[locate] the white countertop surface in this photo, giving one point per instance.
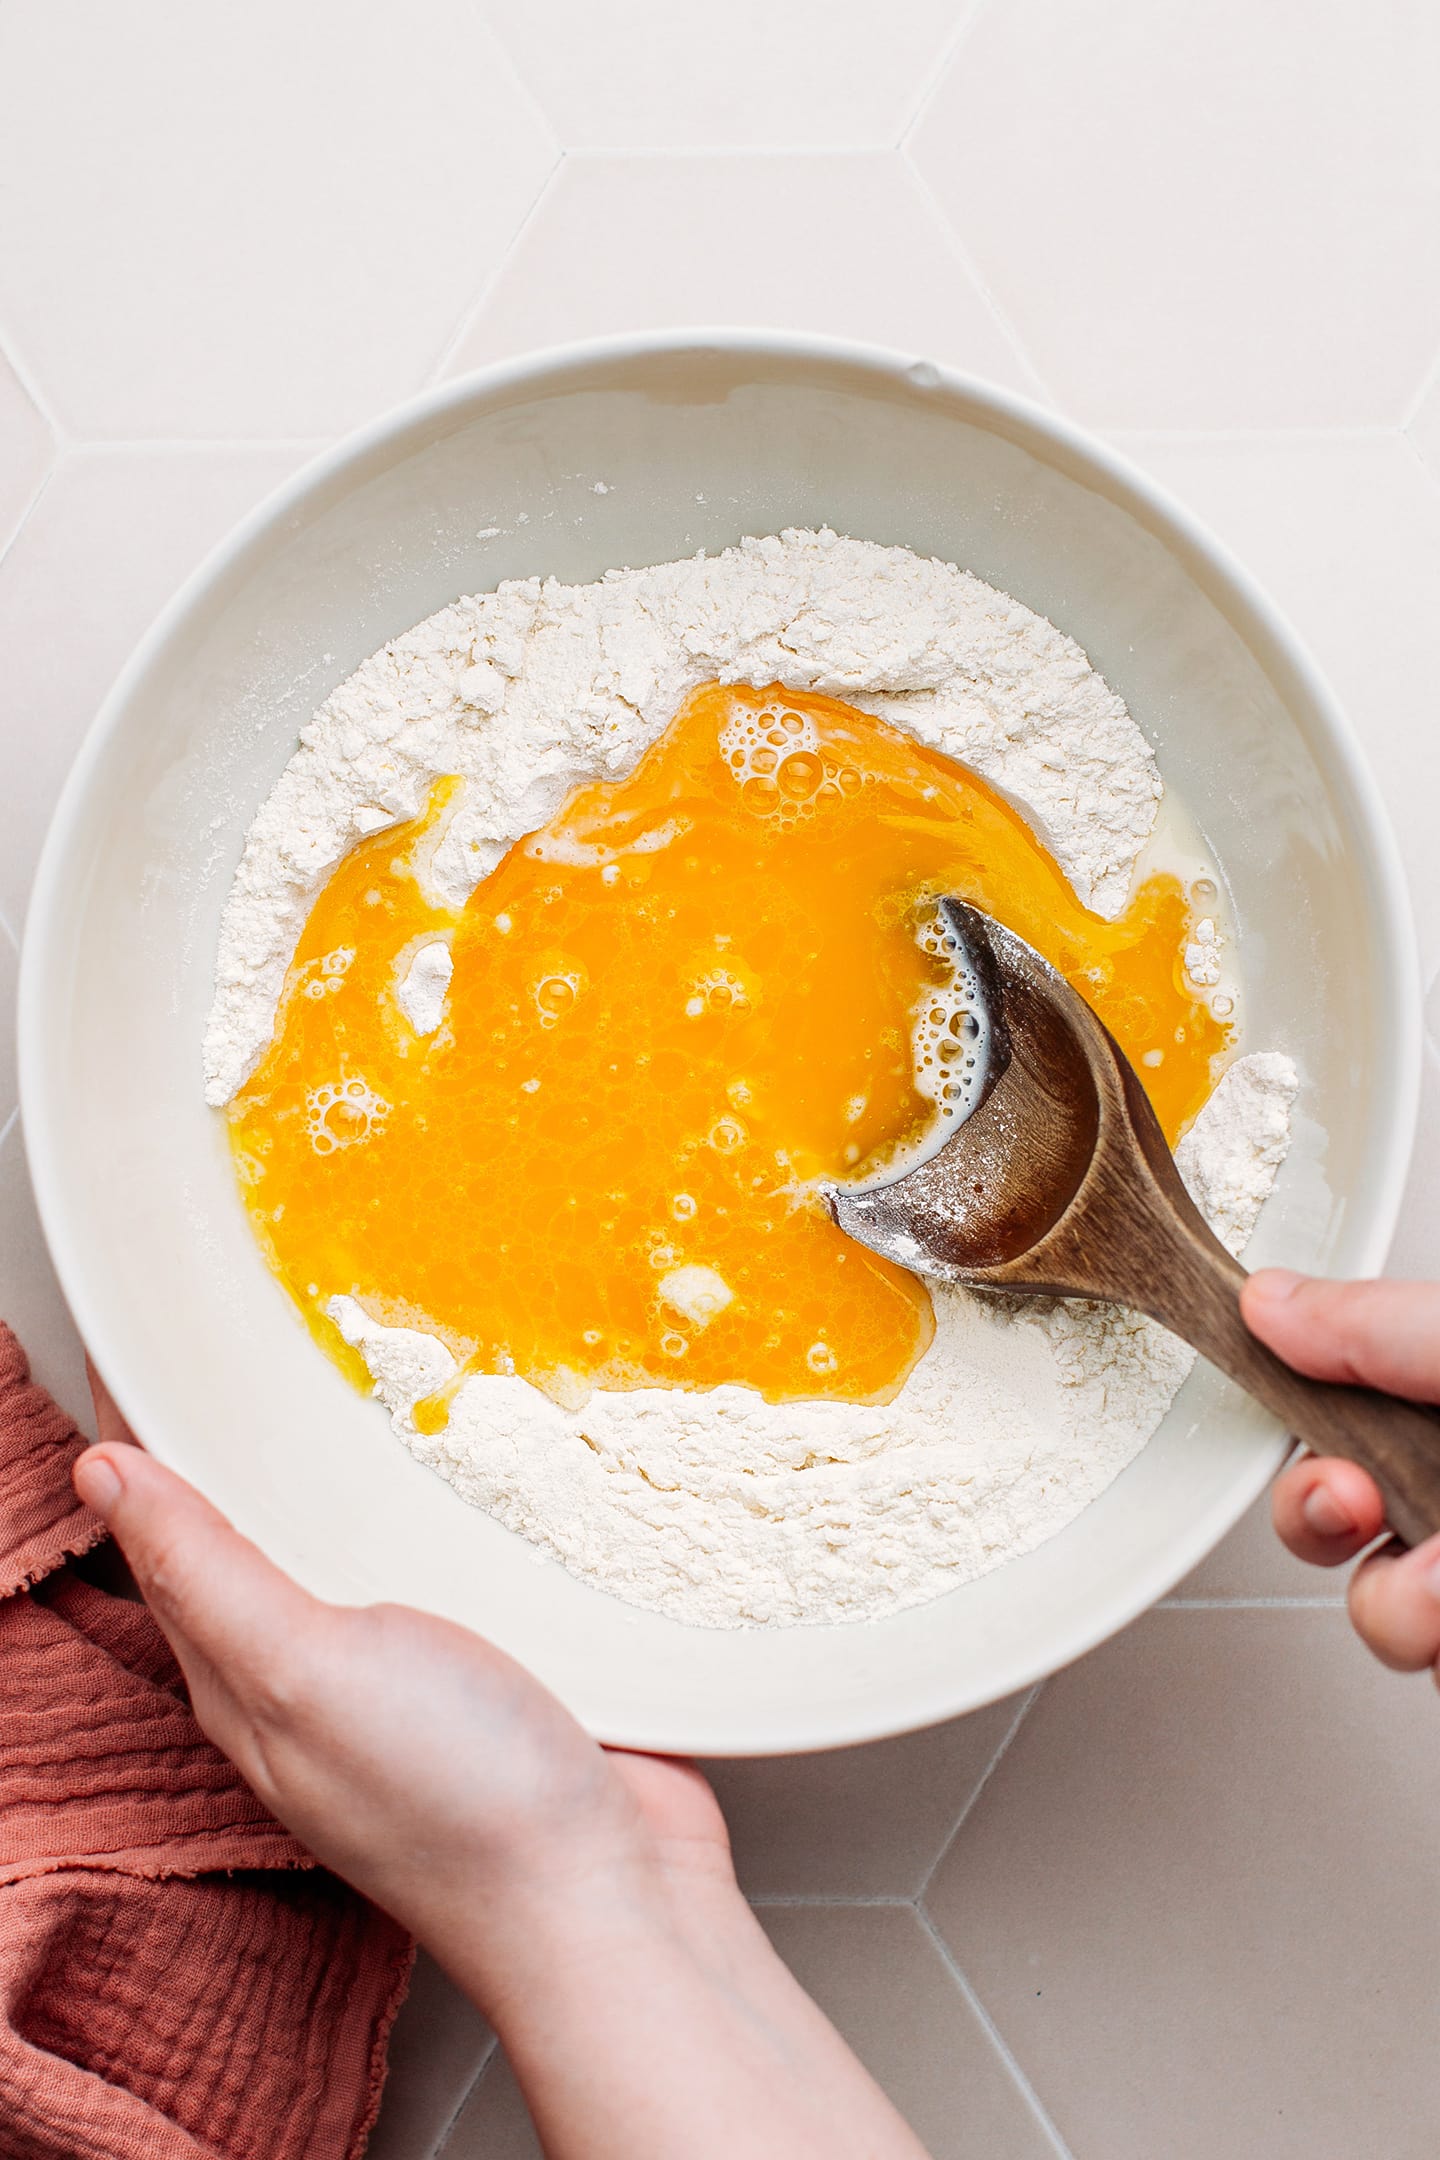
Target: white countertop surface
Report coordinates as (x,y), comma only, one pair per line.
(1184,1901)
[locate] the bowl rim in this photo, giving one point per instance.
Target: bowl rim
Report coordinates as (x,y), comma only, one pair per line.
(1257,618)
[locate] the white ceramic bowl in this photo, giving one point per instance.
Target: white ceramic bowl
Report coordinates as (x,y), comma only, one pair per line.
(698,439)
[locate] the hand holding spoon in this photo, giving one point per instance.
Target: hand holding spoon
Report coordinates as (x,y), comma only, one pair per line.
(1059,1182)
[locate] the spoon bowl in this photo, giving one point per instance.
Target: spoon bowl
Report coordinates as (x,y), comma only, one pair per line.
(1059,1182)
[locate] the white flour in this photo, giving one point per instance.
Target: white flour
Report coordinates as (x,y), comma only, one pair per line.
(719,1508)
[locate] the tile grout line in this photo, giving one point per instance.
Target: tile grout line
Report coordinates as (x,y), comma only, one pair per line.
(1426,472)
(1429,381)
(993,2034)
(29,511)
(1002,1748)
(20,369)
(438,2148)
(949,233)
(969,16)
(578,153)
(470,313)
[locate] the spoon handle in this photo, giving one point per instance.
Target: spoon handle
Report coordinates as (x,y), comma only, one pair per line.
(1398,1442)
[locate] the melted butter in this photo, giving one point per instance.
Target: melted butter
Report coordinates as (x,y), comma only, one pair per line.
(670,1012)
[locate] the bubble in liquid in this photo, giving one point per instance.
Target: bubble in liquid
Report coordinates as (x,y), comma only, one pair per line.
(554,996)
(342,1114)
(683,1207)
(315,989)
(821,1358)
(950,1033)
(753,743)
(727,1134)
(719,989)
(1204,889)
(800,775)
(590,1337)
(1222,1006)
(673,1345)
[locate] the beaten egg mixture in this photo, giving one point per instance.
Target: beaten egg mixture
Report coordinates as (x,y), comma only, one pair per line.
(612,1085)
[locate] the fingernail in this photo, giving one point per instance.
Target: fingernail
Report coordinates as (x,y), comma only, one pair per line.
(1323,1512)
(1275,1284)
(97,1483)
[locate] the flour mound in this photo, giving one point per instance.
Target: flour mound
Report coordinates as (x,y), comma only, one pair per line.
(529,690)
(726,1511)
(721,1509)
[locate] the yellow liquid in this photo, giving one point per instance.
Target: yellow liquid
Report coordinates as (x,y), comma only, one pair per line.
(674,1010)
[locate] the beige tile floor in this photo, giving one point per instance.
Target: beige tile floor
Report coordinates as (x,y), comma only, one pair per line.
(1184,1903)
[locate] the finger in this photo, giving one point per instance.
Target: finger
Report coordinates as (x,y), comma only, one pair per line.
(1395,1606)
(228,1612)
(1370,1334)
(1326,1510)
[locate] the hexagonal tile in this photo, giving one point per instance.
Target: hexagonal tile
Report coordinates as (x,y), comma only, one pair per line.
(269,218)
(876,1973)
(494,2123)
(1201,216)
(110,538)
(30,1297)
(859,1822)
(1423,427)
(644,74)
(1345,533)
(842,244)
(438,2046)
(880,1979)
(25,451)
(1201,1891)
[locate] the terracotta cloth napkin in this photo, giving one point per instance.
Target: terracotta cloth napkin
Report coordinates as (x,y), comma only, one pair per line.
(178,1979)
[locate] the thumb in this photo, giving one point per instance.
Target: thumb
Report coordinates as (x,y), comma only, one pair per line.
(227,1610)
(1369,1334)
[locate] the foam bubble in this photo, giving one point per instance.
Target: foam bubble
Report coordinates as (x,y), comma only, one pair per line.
(949,1033)
(774,754)
(342,1114)
(718,990)
(556,992)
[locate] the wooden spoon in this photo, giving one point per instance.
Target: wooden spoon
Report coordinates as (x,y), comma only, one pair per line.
(1059,1181)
